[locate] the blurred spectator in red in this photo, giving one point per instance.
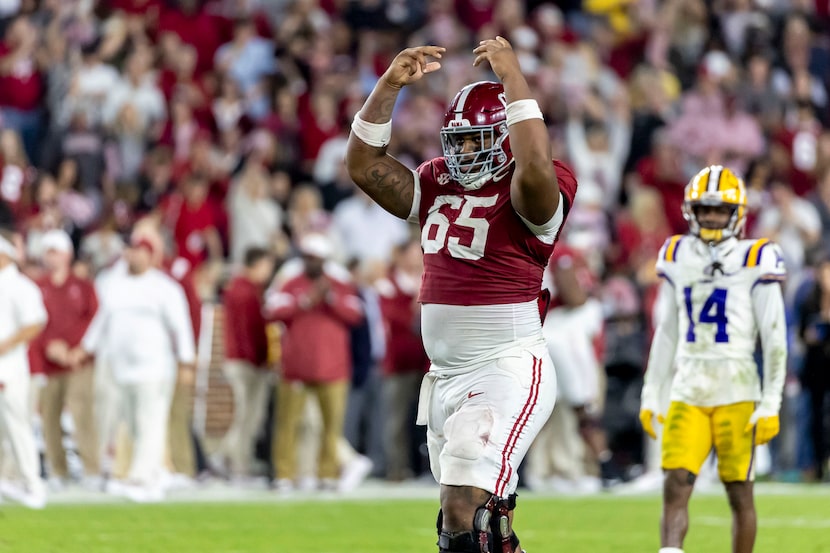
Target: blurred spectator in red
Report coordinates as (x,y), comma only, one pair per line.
(192,24)
(318,310)
(45,214)
(71,304)
(16,175)
(662,170)
(641,230)
(192,221)
(794,151)
(406,361)
(21,83)
(319,120)
(246,358)
(285,124)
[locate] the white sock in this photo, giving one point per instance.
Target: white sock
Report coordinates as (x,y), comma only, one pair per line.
(670,550)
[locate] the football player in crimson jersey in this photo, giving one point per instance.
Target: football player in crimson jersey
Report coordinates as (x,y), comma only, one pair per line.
(490,210)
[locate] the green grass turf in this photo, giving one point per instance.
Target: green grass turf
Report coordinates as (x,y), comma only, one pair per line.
(788,524)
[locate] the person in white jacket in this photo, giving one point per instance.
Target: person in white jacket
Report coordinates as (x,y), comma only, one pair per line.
(143,331)
(22,317)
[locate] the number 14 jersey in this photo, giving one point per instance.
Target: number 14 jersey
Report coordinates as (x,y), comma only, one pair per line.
(718,315)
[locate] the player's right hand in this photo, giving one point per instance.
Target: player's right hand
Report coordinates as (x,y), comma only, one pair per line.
(412,64)
(647,421)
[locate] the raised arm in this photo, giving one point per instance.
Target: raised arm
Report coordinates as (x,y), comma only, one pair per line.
(534,190)
(385,179)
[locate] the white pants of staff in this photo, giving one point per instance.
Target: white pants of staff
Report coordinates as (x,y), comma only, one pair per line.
(16,429)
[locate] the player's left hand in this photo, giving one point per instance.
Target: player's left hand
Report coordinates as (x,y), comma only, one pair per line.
(647,417)
(766,426)
(499,54)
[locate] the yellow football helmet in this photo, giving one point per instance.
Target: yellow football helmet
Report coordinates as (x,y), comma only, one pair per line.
(715,186)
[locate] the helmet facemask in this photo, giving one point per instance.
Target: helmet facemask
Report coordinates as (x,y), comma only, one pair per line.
(473,169)
(733,228)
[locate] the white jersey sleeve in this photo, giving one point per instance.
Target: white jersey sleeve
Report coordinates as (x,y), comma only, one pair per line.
(770,261)
(663,347)
(768,307)
(666,260)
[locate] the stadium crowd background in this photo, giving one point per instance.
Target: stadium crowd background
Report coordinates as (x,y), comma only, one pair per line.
(223,123)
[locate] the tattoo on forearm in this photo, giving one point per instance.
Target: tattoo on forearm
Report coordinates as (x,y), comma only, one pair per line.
(388,185)
(379,109)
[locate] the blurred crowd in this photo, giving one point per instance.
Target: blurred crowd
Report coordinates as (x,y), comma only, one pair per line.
(203,140)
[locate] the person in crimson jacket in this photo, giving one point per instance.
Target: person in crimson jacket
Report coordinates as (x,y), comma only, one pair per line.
(246,358)
(318,308)
(71,304)
(406,361)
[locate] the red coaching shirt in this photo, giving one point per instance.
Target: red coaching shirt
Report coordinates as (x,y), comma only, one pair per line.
(71,307)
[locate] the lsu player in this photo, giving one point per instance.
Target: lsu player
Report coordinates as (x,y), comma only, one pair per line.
(719,292)
(490,210)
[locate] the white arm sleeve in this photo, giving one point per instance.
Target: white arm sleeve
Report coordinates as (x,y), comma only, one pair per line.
(178,319)
(416,199)
(768,306)
(547,232)
(94,332)
(663,348)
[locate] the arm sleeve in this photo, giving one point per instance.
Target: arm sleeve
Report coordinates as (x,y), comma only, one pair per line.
(30,310)
(416,199)
(178,319)
(768,306)
(94,332)
(548,232)
(663,347)
(346,305)
(280,305)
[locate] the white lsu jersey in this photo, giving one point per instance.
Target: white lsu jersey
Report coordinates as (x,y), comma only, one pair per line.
(719,312)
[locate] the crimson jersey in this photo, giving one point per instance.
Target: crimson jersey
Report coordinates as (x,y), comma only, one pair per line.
(477,250)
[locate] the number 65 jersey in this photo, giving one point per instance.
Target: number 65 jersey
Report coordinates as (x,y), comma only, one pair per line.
(712,307)
(483,266)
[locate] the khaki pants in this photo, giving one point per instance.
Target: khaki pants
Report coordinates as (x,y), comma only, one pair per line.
(558,449)
(399,392)
(72,390)
(179,438)
(291,398)
(251,386)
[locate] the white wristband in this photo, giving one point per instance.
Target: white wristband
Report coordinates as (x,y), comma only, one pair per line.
(373,134)
(522,110)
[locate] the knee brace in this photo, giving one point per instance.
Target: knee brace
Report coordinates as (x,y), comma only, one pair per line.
(491,530)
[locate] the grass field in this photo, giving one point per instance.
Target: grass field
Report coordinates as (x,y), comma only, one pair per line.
(792,520)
